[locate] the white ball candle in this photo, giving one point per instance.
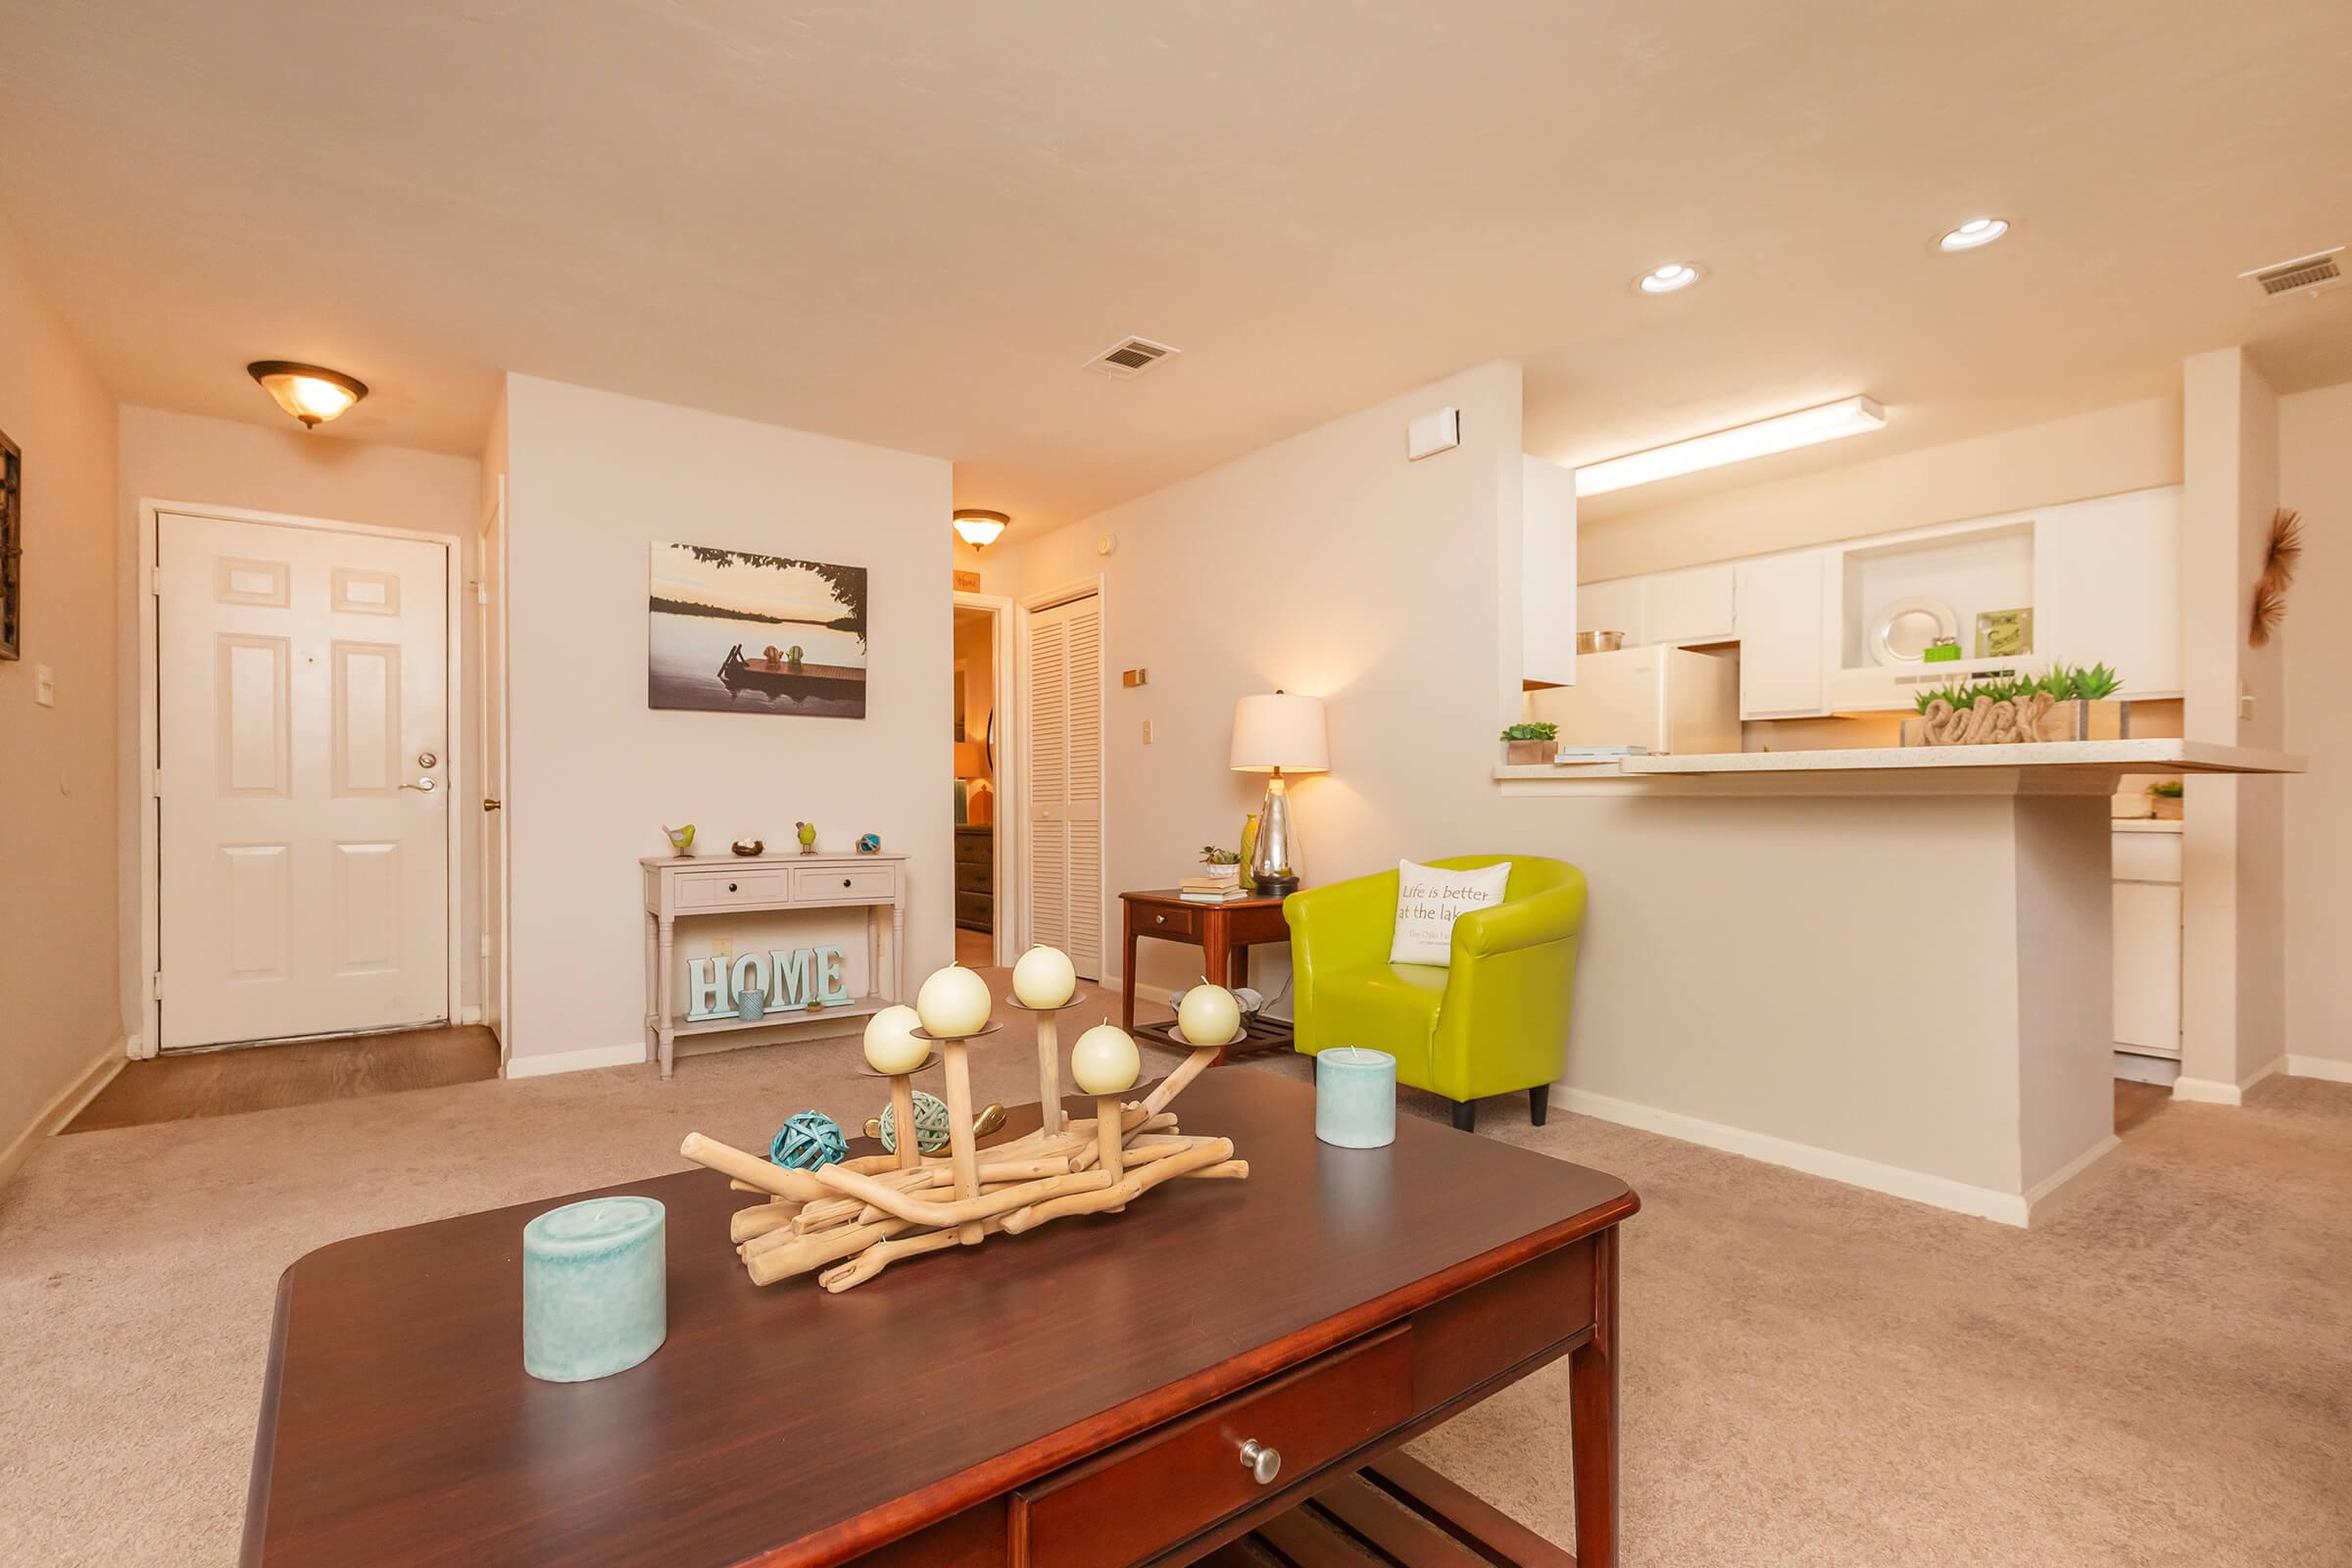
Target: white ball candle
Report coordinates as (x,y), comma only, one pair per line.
(1209,1015)
(1044,979)
(952,1004)
(890,1042)
(1104,1061)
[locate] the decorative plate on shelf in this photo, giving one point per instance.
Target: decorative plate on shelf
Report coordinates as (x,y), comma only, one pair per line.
(1902,631)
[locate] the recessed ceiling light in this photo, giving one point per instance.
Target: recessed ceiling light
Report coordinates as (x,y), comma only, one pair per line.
(1781,434)
(1973,233)
(1666,279)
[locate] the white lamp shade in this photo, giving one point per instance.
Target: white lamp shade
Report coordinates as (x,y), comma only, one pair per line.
(1279,730)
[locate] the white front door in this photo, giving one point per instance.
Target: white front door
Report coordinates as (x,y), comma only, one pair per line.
(303,813)
(1065,781)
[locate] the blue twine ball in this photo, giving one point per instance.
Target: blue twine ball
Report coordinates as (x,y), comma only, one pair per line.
(930,1124)
(870,843)
(807,1140)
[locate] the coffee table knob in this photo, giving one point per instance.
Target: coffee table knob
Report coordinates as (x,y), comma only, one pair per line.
(1262,1463)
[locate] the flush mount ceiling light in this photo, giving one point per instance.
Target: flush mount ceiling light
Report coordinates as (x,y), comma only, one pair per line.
(308,392)
(1668,278)
(1781,434)
(978,528)
(1973,235)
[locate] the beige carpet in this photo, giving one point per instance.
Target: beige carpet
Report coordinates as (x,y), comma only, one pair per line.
(2160,1374)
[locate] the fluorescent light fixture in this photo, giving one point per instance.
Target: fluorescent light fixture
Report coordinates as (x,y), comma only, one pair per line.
(1668,278)
(1975,232)
(1781,434)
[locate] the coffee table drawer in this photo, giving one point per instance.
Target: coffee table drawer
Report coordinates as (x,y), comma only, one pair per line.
(812,884)
(1132,1502)
(717,889)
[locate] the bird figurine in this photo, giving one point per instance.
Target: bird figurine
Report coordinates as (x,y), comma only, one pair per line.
(807,832)
(681,838)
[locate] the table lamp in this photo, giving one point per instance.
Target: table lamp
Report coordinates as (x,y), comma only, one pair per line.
(1271,734)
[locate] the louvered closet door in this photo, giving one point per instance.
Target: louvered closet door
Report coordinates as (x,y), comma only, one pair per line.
(1065,781)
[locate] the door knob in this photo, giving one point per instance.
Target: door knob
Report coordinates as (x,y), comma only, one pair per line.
(1262,1463)
(427,759)
(490,805)
(424,785)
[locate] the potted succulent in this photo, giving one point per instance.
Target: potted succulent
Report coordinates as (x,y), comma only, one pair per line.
(1221,865)
(1531,743)
(2164,799)
(2069,704)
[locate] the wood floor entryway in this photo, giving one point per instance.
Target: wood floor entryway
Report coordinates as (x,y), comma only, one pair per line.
(300,1072)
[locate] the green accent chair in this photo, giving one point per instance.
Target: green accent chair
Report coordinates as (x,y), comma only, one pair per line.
(1493,1023)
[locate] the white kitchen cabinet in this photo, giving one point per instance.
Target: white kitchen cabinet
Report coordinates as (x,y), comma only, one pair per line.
(1783,609)
(1697,605)
(2147,941)
(1612,607)
(2107,588)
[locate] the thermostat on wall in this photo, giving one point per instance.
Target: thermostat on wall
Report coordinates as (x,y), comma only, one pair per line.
(1433,433)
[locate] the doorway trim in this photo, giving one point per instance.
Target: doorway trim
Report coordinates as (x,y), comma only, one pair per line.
(1031,604)
(1011,773)
(138,788)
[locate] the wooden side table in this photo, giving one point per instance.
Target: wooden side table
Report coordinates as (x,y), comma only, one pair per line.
(1223,932)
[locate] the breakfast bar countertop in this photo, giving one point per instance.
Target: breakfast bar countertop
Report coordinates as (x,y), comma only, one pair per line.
(2044,767)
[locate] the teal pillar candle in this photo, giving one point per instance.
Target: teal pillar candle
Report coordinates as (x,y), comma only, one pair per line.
(1355,1098)
(595,1290)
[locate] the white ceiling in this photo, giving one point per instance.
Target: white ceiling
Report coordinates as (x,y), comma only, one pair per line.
(910,223)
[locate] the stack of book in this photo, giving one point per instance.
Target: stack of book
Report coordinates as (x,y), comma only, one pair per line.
(1211,889)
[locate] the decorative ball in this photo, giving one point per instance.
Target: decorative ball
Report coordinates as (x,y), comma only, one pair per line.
(954,1003)
(869,844)
(1208,1015)
(890,1042)
(930,1124)
(807,1140)
(1104,1061)
(1044,979)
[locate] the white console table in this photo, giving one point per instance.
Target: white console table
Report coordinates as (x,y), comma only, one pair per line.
(685,886)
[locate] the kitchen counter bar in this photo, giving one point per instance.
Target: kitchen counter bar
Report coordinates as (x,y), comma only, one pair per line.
(2051,768)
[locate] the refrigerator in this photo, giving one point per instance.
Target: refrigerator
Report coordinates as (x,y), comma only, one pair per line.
(1665,701)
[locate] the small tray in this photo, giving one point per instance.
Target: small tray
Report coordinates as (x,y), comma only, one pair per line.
(927,1063)
(1018,1005)
(985,1030)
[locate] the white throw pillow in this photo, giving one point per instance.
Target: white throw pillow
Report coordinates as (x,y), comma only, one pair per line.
(1430,899)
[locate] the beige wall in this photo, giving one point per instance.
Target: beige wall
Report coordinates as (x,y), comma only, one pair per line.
(2233,882)
(593,481)
(2314,476)
(2136,446)
(195,461)
(59,1016)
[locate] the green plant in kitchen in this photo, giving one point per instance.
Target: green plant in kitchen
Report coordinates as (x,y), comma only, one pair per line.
(2074,684)
(1531,732)
(2164,789)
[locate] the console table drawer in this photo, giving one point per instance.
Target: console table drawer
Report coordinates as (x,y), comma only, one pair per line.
(812,884)
(1125,1504)
(716,890)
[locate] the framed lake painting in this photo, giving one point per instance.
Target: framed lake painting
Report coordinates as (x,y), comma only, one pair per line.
(735,631)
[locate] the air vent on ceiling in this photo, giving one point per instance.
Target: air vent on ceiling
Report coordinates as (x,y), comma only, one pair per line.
(2304,276)
(1130,358)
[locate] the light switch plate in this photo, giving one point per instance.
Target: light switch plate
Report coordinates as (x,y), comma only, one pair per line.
(1146,732)
(44,685)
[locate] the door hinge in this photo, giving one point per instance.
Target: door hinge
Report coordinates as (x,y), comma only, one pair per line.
(485,944)
(155,987)
(481,592)
(155,582)
(155,783)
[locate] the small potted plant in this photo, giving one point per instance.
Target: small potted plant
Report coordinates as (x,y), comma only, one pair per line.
(1221,865)
(1531,743)
(2164,799)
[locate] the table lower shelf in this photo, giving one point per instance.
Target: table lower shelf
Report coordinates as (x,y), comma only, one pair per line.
(1395,1512)
(1263,1034)
(854,1007)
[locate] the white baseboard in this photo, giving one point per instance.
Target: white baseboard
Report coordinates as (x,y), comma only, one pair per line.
(1941,1192)
(2327,1067)
(2070,1170)
(2276,1063)
(65,1106)
(630,1054)
(2206,1091)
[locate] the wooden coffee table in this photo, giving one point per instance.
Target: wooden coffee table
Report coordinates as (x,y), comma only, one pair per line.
(1071,1398)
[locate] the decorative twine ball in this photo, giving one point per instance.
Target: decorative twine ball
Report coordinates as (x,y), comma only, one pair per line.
(869,844)
(808,1138)
(930,1124)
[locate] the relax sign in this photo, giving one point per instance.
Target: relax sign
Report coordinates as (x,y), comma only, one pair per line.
(792,981)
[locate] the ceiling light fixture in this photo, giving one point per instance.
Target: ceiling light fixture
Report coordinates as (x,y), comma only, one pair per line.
(1781,433)
(1668,278)
(1973,235)
(308,392)
(978,528)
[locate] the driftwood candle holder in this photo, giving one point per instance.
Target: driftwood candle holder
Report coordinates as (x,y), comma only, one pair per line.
(847,1221)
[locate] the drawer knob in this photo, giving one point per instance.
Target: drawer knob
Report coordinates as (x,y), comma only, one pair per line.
(731,887)
(845,881)
(1262,1463)
(1160,919)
